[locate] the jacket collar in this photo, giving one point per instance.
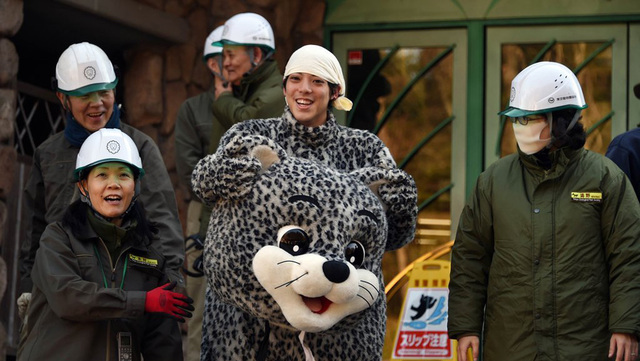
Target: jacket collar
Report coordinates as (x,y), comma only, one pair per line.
(257,76)
(560,160)
(108,231)
(77,219)
(312,136)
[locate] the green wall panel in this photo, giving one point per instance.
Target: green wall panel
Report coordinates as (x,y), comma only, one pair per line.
(386,11)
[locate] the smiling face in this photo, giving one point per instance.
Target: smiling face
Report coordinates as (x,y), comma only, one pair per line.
(237,61)
(110,187)
(93,110)
(308,98)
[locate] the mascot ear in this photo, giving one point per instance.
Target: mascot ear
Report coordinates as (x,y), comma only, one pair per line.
(383,181)
(266,155)
(398,194)
(242,160)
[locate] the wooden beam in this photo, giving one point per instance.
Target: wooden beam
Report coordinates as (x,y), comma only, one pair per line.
(137,16)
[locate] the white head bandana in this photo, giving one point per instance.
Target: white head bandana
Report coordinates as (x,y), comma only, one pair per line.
(318,61)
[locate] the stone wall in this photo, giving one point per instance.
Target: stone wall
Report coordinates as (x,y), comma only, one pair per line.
(156,80)
(10,22)
(159,79)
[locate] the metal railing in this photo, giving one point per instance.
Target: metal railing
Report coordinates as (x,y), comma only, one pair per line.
(403,276)
(38,115)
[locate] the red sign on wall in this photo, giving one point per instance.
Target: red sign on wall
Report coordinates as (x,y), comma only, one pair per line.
(355,57)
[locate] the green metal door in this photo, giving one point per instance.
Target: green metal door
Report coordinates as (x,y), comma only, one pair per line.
(410,88)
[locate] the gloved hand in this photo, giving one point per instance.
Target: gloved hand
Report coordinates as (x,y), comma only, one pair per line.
(400,197)
(172,304)
(398,193)
(23,305)
(230,173)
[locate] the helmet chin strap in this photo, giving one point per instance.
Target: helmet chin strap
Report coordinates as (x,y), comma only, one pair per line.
(255,65)
(219,73)
(572,123)
(218,59)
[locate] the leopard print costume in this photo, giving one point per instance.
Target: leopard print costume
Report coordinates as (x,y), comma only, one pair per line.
(238,332)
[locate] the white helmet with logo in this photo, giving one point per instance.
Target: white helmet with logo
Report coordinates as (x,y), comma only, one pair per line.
(210,49)
(84,68)
(108,145)
(544,87)
(248,29)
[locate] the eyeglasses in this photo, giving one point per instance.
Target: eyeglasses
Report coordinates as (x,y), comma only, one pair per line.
(526,119)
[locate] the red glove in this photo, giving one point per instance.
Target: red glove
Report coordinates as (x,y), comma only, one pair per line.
(173,304)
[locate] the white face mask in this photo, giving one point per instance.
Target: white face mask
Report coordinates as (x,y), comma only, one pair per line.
(528,136)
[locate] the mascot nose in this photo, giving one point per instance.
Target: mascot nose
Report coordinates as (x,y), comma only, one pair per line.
(335,271)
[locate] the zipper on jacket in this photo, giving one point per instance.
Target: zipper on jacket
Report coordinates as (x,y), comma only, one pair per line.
(113,266)
(554,260)
(113,279)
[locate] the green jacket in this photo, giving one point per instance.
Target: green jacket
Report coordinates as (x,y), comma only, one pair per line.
(196,128)
(82,298)
(556,268)
(51,188)
(258,96)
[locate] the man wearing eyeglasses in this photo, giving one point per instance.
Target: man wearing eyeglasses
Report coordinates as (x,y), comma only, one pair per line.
(546,256)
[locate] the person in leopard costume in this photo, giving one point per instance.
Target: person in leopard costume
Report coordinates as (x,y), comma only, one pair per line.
(313,82)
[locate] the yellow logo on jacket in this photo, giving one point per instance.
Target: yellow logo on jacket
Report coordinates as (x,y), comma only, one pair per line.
(142,260)
(586,196)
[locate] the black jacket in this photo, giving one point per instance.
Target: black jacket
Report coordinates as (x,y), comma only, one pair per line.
(81,299)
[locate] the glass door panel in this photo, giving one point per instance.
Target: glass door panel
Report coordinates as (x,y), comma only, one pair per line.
(415,102)
(597,54)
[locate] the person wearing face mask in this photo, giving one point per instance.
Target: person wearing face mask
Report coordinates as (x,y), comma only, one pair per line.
(546,256)
(313,85)
(85,85)
(100,287)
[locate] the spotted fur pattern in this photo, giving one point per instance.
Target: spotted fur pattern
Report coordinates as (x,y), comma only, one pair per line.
(237,308)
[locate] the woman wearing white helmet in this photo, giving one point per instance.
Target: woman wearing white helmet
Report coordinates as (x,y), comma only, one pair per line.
(313,85)
(86,82)
(100,286)
(546,256)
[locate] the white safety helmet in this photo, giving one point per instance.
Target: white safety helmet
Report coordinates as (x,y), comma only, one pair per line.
(84,68)
(108,145)
(544,87)
(210,49)
(248,29)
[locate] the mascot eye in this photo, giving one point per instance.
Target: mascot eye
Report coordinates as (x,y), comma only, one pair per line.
(354,253)
(293,240)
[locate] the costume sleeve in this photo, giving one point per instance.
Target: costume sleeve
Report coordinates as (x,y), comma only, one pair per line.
(401,198)
(265,103)
(188,148)
(226,161)
(619,219)
(470,262)
(56,273)
(33,214)
(159,201)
